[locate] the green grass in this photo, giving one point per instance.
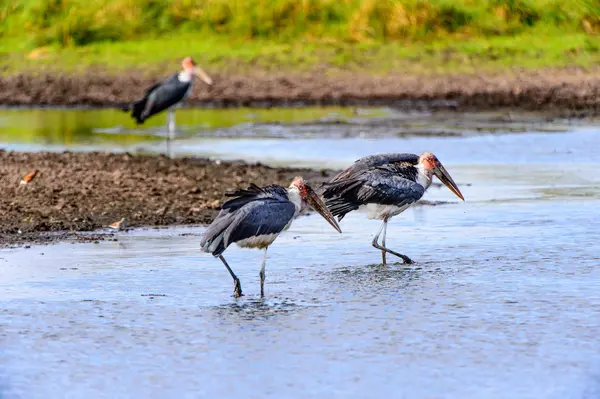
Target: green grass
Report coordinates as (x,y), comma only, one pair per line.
(406,36)
(529,51)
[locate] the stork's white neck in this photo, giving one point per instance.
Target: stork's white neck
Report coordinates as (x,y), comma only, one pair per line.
(294,197)
(185,76)
(424,176)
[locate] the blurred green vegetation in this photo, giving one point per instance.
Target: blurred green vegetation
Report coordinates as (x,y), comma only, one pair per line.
(81,22)
(301,33)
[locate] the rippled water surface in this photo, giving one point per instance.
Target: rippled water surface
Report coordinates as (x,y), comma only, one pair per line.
(502,303)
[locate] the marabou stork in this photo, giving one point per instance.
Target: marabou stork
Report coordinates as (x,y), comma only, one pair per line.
(167,94)
(254,217)
(385,185)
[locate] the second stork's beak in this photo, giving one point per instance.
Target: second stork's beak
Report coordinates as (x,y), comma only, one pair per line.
(202,75)
(315,202)
(445,178)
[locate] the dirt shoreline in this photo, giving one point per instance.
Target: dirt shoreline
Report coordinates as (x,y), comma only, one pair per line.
(75,196)
(568,91)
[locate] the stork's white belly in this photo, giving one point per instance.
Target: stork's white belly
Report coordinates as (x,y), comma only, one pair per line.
(261,241)
(381,212)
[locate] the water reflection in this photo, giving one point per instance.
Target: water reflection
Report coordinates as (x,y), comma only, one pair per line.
(110,126)
(102,127)
(50,126)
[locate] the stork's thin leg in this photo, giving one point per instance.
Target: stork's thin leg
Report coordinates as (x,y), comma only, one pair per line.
(383,242)
(262,274)
(237,286)
(376,238)
(383,249)
(170,130)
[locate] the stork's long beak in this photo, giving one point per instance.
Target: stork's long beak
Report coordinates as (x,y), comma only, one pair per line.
(202,75)
(445,178)
(315,202)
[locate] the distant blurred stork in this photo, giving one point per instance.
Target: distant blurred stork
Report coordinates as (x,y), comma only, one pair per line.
(385,186)
(254,217)
(168,94)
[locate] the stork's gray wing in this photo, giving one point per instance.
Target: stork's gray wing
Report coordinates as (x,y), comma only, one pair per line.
(164,96)
(253,192)
(260,217)
(257,217)
(380,185)
(150,89)
(154,99)
(252,211)
(372,161)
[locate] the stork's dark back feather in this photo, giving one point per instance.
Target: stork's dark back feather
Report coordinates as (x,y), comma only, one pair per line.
(339,206)
(159,97)
(388,179)
(242,196)
(137,109)
(251,212)
(375,160)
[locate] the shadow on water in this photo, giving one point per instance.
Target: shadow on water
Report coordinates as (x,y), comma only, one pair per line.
(376,278)
(333,285)
(249,309)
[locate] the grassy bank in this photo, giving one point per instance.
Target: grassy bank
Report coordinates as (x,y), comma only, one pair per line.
(416,36)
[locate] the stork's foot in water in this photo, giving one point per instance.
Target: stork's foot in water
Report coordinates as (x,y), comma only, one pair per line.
(383,248)
(237,288)
(406,259)
(262,283)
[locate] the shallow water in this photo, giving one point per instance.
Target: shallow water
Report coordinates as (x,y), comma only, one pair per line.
(110,129)
(503,301)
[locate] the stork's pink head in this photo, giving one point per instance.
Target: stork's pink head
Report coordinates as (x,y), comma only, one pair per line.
(310,198)
(189,65)
(433,166)
(429,161)
(301,185)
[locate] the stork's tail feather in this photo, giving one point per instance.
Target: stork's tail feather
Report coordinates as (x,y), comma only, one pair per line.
(340,207)
(215,250)
(339,188)
(213,240)
(213,245)
(136,109)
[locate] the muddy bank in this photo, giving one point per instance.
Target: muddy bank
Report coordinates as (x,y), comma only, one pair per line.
(83,192)
(570,91)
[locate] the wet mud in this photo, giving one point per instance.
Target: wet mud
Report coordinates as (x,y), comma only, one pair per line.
(77,193)
(569,92)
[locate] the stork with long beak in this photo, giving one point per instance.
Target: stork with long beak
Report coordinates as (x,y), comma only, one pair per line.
(254,217)
(385,185)
(168,94)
